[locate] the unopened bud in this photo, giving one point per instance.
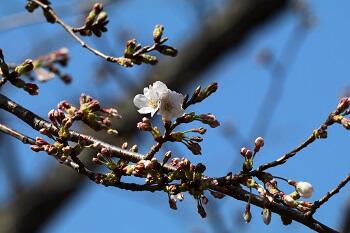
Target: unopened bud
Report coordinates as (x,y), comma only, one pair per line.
(172,203)
(125,145)
(167,156)
(158,33)
(25,67)
(167,50)
(266,214)
(201,210)
(243,151)
(134,148)
(259,142)
(247,216)
(344,103)
(211,89)
(149,59)
(101,17)
(345,122)
(194,147)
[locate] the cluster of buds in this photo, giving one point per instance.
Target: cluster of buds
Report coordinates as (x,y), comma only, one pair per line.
(192,143)
(199,95)
(136,54)
(291,200)
(249,154)
(104,157)
(132,47)
(95,22)
(146,125)
(13,75)
(57,149)
(208,119)
(45,69)
(91,113)
(150,169)
(186,170)
(159,42)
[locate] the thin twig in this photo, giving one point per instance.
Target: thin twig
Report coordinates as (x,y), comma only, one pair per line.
(325,198)
(318,133)
(70,31)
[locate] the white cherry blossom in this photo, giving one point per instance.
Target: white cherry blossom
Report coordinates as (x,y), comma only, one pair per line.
(157,97)
(171,105)
(149,102)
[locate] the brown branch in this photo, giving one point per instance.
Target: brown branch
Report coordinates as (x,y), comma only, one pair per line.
(81,169)
(325,198)
(236,192)
(240,194)
(321,132)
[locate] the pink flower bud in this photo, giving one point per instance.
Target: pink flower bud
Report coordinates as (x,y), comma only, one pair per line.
(259,142)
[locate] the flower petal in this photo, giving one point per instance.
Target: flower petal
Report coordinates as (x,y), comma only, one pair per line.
(140,101)
(160,87)
(146,110)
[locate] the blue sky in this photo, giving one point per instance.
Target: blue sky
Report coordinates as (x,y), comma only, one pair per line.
(315,81)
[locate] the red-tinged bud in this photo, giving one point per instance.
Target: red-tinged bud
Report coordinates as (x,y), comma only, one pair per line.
(345,122)
(196,139)
(36,148)
(45,131)
(209,119)
(31,88)
(51,115)
(40,141)
(211,89)
(194,147)
(63,105)
(243,151)
(187,118)
(172,204)
(144,126)
(266,215)
(201,210)
(200,130)
(249,154)
(259,142)
(247,214)
(344,103)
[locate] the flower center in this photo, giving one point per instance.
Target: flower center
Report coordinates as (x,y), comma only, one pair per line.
(153,103)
